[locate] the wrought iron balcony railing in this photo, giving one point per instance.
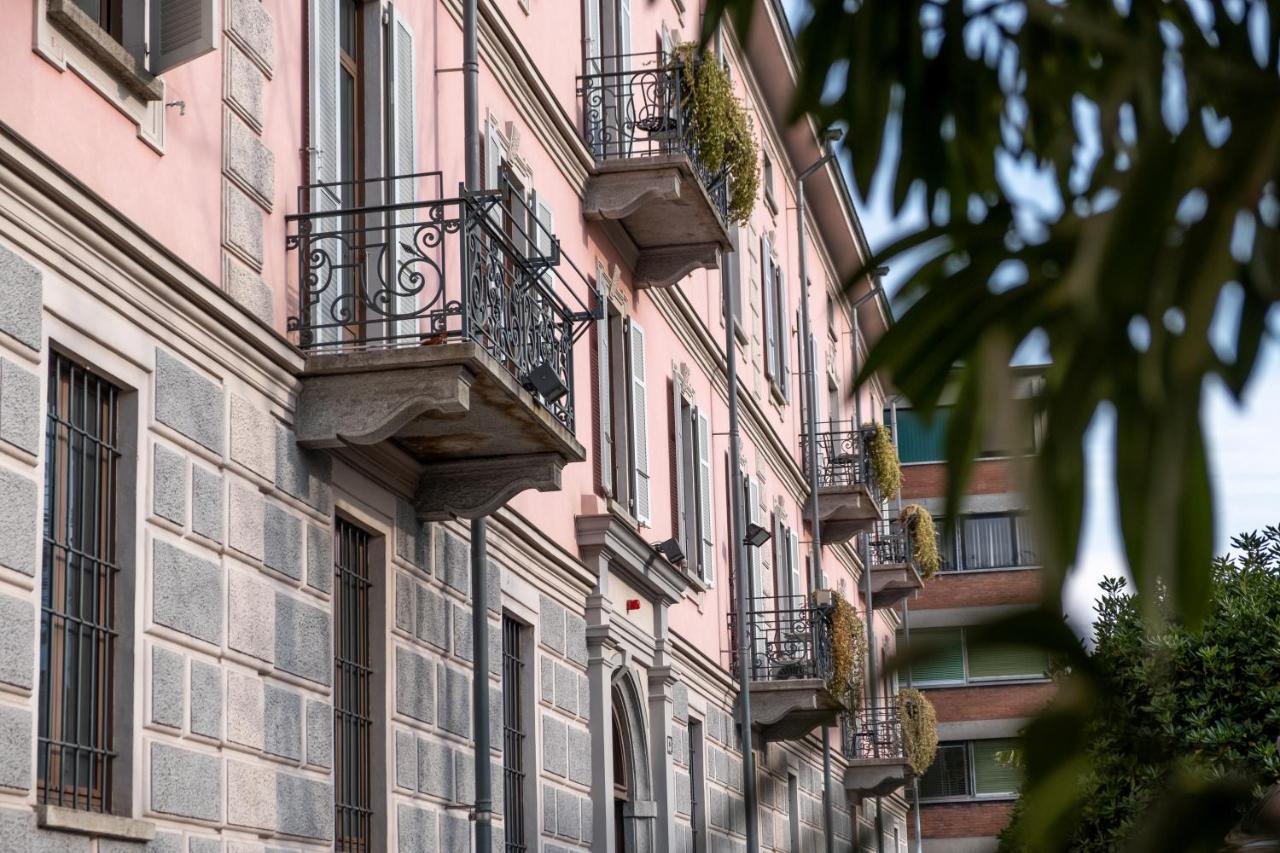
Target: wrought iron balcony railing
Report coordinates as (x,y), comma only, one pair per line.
(636,105)
(790,639)
(391,263)
(873,735)
(843,460)
(890,543)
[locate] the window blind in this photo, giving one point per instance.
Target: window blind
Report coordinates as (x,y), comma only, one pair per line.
(993,771)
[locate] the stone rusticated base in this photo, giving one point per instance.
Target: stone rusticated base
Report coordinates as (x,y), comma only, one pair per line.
(789,710)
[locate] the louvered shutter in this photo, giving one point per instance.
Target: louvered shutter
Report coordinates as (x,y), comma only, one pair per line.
(593,100)
(945,661)
(403,114)
(994,771)
(639,426)
(181,30)
(779,565)
(323,113)
(544,231)
(492,172)
(1006,661)
(769,304)
(603,380)
(624,33)
(755,508)
(784,335)
(794,550)
(680,495)
(706,520)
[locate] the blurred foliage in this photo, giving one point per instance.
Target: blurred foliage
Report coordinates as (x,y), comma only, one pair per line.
(1183,739)
(1143,266)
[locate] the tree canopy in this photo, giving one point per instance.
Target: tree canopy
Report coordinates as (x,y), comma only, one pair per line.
(1184,713)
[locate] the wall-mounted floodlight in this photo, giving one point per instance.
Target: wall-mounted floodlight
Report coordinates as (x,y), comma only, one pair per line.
(671,550)
(756,536)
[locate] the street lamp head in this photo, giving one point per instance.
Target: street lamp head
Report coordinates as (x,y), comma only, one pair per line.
(756,536)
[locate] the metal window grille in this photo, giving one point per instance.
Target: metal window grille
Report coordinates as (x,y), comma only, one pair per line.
(352,694)
(513,735)
(77,604)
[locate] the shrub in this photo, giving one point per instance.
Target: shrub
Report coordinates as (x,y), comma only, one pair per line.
(848,651)
(886,470)
(919,729)
(924,538)
(720,129)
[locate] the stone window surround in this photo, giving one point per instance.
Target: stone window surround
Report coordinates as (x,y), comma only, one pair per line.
(68,39)
(93,824)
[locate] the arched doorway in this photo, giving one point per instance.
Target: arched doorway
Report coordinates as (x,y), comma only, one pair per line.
(632,791)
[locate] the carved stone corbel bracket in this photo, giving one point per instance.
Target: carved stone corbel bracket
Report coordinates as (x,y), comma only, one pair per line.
(472,488)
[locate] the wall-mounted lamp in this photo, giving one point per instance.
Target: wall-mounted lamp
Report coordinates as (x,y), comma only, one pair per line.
(543,379)
(671,550)
(756,536)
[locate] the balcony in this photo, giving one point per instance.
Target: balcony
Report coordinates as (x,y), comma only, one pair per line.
(874,752)
(648,182)
(894,573)
(439,337)
(791,666)
(848,503)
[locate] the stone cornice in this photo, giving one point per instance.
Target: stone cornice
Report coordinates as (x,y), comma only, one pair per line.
(630,557)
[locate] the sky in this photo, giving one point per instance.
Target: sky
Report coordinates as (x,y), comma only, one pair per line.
(1243,438)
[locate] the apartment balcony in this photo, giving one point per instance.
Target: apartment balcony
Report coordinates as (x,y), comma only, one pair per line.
(648,182)
(874,752)
(791,666)
(894,573)
(439,337)
(848,503)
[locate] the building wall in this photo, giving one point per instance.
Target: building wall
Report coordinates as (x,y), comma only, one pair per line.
(149,242)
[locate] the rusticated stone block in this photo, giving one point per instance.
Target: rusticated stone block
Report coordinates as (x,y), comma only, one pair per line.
(186,593)
(168,679)
(20,419)
(252,628)
(243,85)
(206,503)
(415,686)
(250,25)
(246,512)
(248,161)
(282,541)
(206,699)
(169,485)
(21,300)
(186,783)
(251,795)
(18,523)
(304,807)
(282,727)
(17,641)
(303,639)
(188,402)
(242,223)
(15,748)
(253,437)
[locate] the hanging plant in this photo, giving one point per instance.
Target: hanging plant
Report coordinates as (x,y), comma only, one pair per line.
(848,651)
(919,729)
(719,129)
(885,468)
(924,538)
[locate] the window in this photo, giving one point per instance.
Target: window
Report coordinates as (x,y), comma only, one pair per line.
(352,690)
(924,440)
(179,31)
(787,583)
(973,769)
(989,541)
(78,628)
(106,14)
(731,273)
(777,333)
(513,735)
(691,504)
(766,178)
(697,786)
(623,413)
(953,661)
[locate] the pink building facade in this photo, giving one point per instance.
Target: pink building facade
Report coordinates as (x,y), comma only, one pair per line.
(244,419)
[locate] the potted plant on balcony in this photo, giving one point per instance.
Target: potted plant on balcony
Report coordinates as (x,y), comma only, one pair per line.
(886,470)
(719,128)
(919,525)
(919,729)
(848,649)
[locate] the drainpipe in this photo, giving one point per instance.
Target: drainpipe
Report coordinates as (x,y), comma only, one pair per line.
(736,538)
(479,530)
(811,453)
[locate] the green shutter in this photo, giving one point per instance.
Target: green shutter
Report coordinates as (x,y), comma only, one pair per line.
(1006,661)
(994,766)
(945,662)
(920,440)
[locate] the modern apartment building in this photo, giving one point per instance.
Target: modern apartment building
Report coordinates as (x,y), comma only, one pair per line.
(990,567)
(264,363)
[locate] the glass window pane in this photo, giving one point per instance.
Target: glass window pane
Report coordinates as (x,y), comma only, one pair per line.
(1028,554)
(994,766)
(945,662)
(948,776)
(1006,661)
(987,541)
(920,440)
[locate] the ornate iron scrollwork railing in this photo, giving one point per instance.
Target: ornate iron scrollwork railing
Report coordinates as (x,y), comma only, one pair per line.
(890,543)
(790,639)
(873,734)
(843,460)
(375,271)
(636,105)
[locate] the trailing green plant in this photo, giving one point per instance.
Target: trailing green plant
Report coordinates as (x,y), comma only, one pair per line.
(886,470)
(848,651)
(919,728)
(720,128)
(917,521)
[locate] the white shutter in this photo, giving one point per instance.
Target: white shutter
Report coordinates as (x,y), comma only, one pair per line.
(624,33)
(492,170)
(543,232)
(756,561)
(681,495)
(784,335)
(639,426)
(323,112)
(770,318)
(705,518)
(794,551)
(592,47)
(603,380)
(181,30)
(404,162)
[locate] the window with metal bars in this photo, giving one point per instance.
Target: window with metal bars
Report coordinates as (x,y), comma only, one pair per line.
(352,690)
(513,736)
(77,604)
